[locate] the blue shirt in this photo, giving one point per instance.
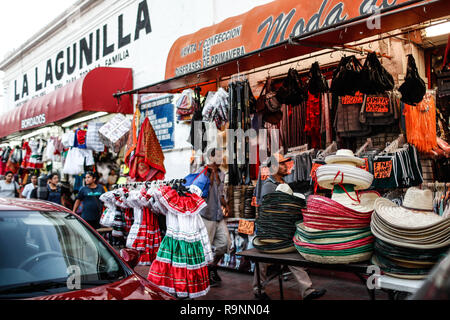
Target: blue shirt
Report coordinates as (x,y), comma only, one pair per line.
(54,195)
(92,206)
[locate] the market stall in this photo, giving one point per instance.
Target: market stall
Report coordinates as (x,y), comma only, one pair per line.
(358,129)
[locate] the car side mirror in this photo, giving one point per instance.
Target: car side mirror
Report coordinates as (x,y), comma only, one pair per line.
(130,256)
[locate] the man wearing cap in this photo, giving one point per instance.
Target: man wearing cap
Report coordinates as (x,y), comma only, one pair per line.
(270,185)
(213,216)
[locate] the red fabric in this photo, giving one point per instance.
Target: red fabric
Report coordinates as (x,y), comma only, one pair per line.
(2,168)
(81,137)
(128,214)
(331,215)
(180,279)
(148,237)
(312,125)
(26,159)
(337,246)
(181,204)
(147,163)
(11,166)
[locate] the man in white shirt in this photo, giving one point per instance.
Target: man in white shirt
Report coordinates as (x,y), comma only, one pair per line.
(26,193)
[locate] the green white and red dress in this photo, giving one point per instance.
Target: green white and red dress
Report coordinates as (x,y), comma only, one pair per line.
(180,267)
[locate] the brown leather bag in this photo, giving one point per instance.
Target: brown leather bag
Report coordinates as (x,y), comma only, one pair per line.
(268,100)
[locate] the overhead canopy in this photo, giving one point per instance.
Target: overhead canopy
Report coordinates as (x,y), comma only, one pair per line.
(93,92)
(282,30)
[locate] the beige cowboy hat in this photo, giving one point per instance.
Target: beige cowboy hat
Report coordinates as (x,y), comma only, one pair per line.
(345,156)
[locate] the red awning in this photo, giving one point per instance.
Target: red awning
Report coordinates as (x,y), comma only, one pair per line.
(93,92)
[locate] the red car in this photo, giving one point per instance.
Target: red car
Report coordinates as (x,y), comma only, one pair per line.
(49,253)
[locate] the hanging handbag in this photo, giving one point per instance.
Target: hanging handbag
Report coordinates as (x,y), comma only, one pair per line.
(375,79)
(268,100)
(414,88)
(347,77)
(292,91)
(317,83)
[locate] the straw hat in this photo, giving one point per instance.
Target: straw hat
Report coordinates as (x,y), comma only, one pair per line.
(258,243)
(284,187)
(348,198)
(345,156)
(415,213)
(332,174)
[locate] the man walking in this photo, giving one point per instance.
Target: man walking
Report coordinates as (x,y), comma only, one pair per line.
(89,196)
(213,217)
(307,292)
(26,193)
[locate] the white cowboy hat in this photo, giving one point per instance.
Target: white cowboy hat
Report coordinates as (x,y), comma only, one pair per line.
(284,187)
(331,174)
(345,156)
(349,198)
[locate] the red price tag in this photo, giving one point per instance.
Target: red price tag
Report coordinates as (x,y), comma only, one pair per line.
(246,227)
(377,104)
(382,169)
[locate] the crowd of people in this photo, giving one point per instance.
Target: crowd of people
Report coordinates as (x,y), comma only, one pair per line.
(85,202)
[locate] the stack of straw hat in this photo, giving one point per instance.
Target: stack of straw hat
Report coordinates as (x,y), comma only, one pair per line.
(275,226)
(337,230)
(410,239)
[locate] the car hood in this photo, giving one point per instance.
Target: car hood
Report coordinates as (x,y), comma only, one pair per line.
(131,288)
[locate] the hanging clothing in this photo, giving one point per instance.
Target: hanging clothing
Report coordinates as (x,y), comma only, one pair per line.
(180,267)
(37,149)
(420,123)
(148,162)
(312,125)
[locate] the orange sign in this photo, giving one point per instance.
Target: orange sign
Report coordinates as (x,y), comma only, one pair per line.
(382,169)
(261,27)
(246,227)
(377,104)
(358,98)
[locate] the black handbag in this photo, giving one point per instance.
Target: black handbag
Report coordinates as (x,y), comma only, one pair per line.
(414,88)
(317,83)
(347,77)
(375,79)
(292,91)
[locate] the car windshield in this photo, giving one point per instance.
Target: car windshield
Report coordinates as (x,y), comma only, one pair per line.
(43,253)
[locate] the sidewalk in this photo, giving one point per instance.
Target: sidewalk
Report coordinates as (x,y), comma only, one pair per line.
(238,286)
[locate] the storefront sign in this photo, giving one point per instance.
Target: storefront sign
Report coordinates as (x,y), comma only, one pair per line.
(246,227)
(105,45)
(31,122)
(261,27)
(377,104)
(160,112)
(382,169)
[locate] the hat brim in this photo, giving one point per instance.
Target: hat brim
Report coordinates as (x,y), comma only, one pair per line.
(402,218)
(333,174)
(342,159)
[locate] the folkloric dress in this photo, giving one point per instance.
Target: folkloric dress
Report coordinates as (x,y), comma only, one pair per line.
(181,264)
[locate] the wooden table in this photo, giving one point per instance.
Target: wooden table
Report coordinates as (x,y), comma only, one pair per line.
(295,259)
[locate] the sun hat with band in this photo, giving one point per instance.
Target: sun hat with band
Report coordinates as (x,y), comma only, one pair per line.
(345,156)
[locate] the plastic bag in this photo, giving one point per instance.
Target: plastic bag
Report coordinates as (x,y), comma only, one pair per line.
(107,218)
(200,181)
(414,88)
